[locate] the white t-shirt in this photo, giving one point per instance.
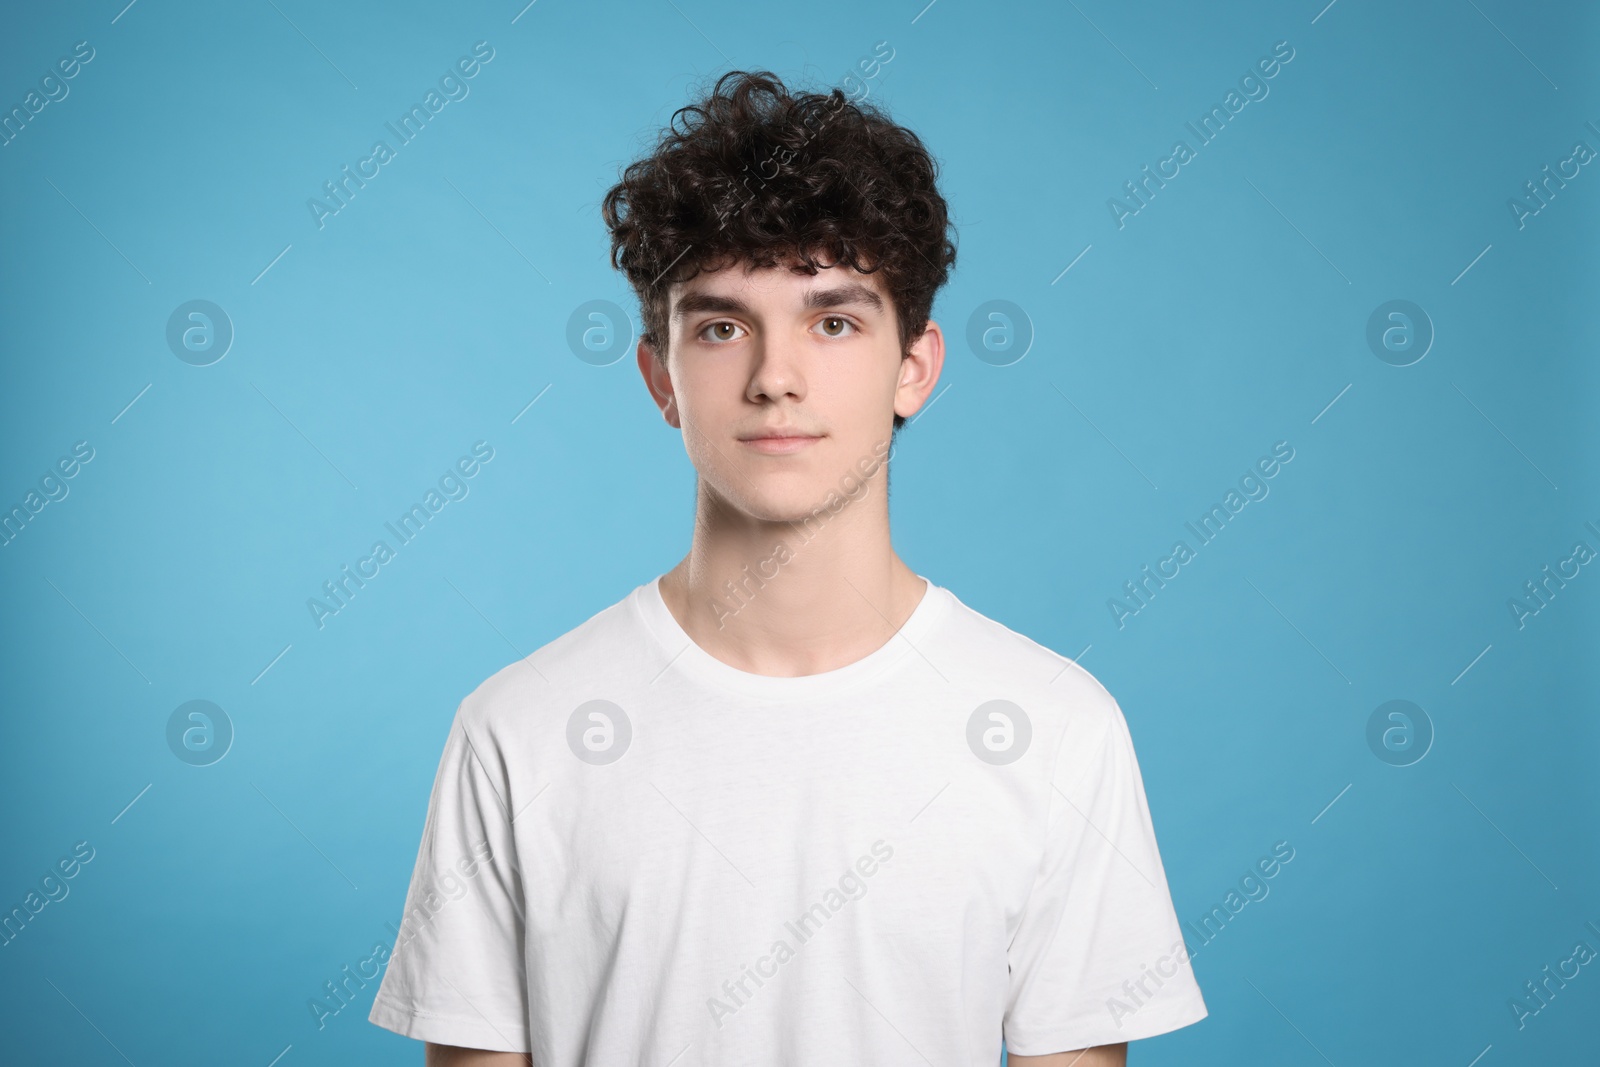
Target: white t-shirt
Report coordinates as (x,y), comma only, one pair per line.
(637,854)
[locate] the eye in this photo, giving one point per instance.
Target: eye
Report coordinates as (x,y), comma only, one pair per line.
(718,337)
(836,322)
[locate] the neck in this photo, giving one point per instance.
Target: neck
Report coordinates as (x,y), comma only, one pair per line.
(792,598)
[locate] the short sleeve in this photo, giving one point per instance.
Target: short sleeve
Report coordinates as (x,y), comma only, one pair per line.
(1098,958)
(456,974)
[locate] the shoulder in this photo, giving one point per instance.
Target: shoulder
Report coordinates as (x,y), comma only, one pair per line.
(520,693)
(1064,696)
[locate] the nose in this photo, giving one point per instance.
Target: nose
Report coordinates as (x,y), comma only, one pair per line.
(775,371)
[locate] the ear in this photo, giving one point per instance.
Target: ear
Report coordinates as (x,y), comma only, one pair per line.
(919,371)
(659,382)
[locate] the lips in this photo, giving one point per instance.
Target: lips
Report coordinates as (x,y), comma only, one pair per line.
(779,435)
(780,442)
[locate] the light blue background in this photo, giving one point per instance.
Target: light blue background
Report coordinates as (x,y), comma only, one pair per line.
(1225,316)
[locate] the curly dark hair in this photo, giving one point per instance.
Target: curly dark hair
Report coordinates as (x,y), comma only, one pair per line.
(755,173)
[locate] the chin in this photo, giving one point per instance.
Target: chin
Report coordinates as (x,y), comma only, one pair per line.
(796,502)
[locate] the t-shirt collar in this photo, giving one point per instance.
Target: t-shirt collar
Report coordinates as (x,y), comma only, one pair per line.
(681,653)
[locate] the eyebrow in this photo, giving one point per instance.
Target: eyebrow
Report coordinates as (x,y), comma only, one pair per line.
(835,296)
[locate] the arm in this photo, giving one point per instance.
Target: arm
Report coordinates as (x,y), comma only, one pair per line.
(451,1056)
(1099,1056)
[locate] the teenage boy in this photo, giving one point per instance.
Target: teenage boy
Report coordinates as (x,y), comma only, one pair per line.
(790,802)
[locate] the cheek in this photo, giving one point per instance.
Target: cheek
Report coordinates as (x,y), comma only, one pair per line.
(859,410)
(867,381)
(704,392)
(709,408)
